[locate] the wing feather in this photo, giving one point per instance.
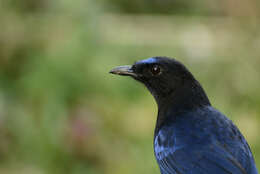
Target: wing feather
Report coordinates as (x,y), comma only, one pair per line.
(200,161)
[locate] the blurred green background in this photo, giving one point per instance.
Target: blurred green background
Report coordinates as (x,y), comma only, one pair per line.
(60,110)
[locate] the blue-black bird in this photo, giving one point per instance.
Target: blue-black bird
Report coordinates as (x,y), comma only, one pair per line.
(190,137)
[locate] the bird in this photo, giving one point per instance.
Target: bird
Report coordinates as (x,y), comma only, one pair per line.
(190,136)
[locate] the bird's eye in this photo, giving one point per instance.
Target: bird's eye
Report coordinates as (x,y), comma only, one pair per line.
(156,70)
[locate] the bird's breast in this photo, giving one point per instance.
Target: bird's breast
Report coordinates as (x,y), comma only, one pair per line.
(165,143)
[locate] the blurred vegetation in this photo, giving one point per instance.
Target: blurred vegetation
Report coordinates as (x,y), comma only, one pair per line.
(185,7)
(60,110)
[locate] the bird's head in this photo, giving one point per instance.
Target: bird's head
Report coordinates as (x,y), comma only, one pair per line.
(161,75)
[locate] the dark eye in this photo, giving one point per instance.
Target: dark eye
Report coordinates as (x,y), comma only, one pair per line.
(156,70)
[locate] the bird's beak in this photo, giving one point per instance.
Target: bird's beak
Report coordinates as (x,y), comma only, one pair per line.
(125,70)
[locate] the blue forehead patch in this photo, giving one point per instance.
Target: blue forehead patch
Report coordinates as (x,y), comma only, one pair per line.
(149,60)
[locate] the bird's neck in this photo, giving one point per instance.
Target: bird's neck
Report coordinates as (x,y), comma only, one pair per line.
(185,98)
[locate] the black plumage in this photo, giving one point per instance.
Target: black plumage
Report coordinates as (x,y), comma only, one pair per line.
(191,137)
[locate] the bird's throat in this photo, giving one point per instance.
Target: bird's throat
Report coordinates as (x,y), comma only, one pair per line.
(185,98)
